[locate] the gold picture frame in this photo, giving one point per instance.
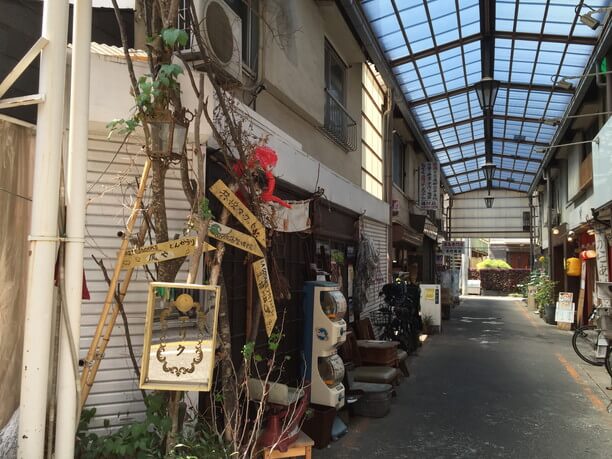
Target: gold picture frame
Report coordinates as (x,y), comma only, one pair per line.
(180,337)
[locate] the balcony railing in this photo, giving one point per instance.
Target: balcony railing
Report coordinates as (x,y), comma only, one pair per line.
(339,125)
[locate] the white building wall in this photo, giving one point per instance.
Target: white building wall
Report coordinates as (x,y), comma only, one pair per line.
(602,167)
(470,217)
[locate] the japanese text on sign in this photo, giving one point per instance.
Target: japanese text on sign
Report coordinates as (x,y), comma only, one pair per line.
(429,185)
(239,210)
(452,247)
(236,238)
(266,297)
(161,252)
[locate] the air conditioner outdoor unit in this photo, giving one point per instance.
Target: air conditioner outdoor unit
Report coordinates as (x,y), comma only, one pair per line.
(221,30)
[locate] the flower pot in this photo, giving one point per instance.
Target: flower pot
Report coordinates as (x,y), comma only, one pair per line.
(549,314)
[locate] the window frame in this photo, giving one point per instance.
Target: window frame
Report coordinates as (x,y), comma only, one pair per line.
(248,12)
(397,140)
(332,54)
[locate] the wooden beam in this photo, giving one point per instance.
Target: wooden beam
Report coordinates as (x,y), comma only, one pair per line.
(12,102)
(23,64)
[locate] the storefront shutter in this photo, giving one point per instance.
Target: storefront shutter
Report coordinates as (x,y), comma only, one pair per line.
(378,233)
(111,181)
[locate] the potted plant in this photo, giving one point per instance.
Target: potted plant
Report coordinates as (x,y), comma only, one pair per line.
(427,321)
(545,298)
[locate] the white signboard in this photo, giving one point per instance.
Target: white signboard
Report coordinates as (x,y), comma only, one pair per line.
(452,248)
(565,308)
(429,185)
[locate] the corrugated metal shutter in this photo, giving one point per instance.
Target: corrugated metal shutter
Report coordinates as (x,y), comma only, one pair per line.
(112,179)
(378,233)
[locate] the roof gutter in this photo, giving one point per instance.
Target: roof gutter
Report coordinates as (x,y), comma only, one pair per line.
(362,28)
(600,51)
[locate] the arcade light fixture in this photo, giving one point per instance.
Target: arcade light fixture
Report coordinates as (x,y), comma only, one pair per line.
(489,201)
(489,170)
(588,19)
(486,90)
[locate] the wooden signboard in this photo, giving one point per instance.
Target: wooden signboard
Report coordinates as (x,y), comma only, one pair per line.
(155,253)
(581,295)
(232,237)
(180,337)
(239,210)
(266,297)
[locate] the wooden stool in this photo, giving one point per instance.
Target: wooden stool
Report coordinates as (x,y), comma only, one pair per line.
(301,447)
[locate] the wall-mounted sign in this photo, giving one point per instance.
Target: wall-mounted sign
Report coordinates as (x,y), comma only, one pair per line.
(429,185)
(239,210)
(452,248)
(161,252)
(180,336)
(266,297)
(232,237)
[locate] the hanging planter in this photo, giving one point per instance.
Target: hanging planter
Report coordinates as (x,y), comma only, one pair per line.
(168,135)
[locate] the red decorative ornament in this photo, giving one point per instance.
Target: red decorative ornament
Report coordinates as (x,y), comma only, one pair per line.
(263,158)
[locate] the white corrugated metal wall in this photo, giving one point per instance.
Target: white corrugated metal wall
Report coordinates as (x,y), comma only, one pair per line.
(112,176)
(378,233)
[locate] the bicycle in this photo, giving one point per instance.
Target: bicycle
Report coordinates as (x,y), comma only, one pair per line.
(399,319)
(587,340)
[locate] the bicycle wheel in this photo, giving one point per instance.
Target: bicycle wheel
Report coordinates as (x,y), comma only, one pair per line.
(609,360)
(584,342)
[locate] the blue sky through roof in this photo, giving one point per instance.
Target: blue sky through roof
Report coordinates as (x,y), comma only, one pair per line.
(437,84)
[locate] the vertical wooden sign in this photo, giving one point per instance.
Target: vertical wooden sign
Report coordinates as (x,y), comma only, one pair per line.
(266,297)
(580,312)
(601,247)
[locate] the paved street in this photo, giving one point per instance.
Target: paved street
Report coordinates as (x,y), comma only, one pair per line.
(498,382)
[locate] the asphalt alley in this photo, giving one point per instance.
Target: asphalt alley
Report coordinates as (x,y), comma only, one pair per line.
(497,382)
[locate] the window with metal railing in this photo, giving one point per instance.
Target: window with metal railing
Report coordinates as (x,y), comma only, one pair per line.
(337,124)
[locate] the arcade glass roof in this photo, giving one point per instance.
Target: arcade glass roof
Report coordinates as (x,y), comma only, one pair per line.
(438,50)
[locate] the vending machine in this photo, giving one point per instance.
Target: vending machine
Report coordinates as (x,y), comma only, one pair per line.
(431,304)
(324,333)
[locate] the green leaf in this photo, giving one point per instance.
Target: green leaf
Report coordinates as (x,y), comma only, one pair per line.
(247,350)
(170,36)
(258,358)
(205,211)
(173,36)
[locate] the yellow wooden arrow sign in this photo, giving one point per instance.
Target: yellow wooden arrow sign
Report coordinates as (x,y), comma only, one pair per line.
(232,237)
(266,296)
(163,251)
(239,210)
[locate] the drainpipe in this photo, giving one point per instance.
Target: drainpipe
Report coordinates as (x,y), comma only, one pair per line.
(531,243)
(76,192)
(388,165)
(43,233)
(550,225)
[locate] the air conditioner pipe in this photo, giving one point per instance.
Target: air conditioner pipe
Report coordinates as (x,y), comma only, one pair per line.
(68,384)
